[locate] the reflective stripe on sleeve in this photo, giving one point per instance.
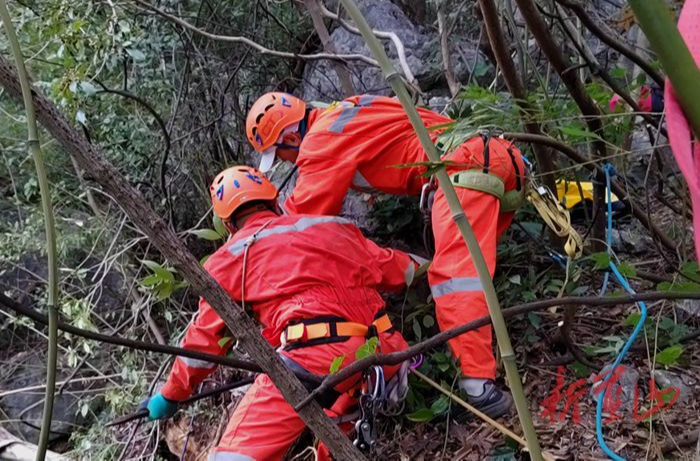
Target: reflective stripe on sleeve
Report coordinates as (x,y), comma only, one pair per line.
(301,225)
(456,285)
(196,363)
(347,114)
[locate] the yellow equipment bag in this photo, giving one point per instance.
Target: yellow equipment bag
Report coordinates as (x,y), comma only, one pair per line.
(570,195)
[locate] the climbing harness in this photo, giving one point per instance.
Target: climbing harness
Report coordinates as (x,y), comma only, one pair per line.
(331,329)
(609,172)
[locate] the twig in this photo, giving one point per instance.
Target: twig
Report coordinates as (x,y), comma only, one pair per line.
(395,358)
(452,81)
(683,440)
(163,129)
(585,103)
(515,85)
(261,49)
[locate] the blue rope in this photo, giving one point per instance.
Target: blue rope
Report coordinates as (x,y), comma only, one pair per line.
(610,171)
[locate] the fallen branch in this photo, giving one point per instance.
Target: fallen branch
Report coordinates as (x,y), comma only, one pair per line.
(9,303)
(259,48)
(395,358)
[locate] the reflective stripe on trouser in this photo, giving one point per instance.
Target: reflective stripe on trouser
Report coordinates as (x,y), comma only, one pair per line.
(453,279)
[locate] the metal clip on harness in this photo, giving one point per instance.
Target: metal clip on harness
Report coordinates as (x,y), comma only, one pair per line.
(373,391)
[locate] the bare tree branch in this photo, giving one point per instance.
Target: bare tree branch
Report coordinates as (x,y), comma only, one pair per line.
(452,82)
(398,44)
(328,46)
(261,49)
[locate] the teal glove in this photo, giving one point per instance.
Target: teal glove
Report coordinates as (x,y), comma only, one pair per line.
(159,407)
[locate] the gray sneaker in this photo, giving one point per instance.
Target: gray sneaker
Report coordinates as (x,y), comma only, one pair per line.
(486,396)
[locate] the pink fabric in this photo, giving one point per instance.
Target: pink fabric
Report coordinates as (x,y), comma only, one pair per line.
(679,131)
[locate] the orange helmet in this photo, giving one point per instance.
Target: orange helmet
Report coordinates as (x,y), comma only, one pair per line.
(237,186)
(272,113)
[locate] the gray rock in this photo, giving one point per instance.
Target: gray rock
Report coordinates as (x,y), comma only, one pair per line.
(690,307)
(683,383)
(632,239)
(320,81)
(28,405)
(621,387)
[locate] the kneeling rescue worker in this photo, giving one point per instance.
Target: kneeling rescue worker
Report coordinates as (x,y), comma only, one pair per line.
(358,143)
(312,282)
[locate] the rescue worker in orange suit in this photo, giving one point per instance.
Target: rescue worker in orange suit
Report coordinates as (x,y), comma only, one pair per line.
(312,282)
(357,144)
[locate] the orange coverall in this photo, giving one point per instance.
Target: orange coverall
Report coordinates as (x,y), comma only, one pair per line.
(300,267)
(357,144)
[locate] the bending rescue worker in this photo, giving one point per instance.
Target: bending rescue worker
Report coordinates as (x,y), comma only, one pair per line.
(312,282)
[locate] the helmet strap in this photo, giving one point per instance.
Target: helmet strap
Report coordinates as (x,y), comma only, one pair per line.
(304,124)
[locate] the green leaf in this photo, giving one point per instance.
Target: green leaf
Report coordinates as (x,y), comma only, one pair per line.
(164,274)
(203,260)
(440,405)
(515,279)
(225,340)
(135,54)
(207,234)
(151,280)
(626,269)
(601,260)
(669,356)
(578,132)
(219,226)
(579,369)
(428,321)
(337,363)
(367,349)
(534,319)
(421,416)
(632,319)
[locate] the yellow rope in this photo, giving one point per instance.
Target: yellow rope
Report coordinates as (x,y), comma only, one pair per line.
(556,217)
